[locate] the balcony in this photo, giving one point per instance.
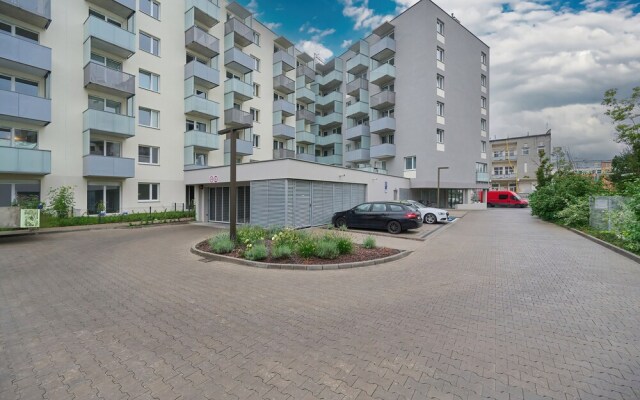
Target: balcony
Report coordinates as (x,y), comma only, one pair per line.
(205,12)
(196,106)
(242,34)
(357,64)
(382,100)
(305,157)
(285,132)
(305,137)
(284,84)
(107,123)
(305,115)
(327,100)
(204,75)
(110,81)
(329,140)
(308,73)
(122,8)
(243,147)
(20,107)
(503,176)
(241,91)
(384,150)
(287,109)
(482,177)
(354,87)
(357,132)
(505,157)
(330,120)
(234,118)
(335,159)
(357,110)
(356,156)
(201,140)
(201,42)
(330,80)
(108,167)
(305,95)
(382,125)
(288,61)
(109,38)
(25,55)
(34,12)
(383,74)
(383,49)
(237,60)
(16,160)
(279,154)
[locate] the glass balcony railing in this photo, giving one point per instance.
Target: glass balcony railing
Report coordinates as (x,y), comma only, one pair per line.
(15,160)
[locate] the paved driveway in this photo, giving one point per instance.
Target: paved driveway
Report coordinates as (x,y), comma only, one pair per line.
(497,305)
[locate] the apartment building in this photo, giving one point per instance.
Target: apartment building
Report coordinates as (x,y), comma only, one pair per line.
(514,162)
(126,105)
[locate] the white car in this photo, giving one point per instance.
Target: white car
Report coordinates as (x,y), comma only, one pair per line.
(429,215)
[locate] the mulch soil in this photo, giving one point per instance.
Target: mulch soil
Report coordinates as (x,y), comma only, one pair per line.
(359,254)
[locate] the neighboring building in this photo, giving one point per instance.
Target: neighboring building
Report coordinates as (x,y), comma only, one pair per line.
(514,162)
(595,168)
(126,106)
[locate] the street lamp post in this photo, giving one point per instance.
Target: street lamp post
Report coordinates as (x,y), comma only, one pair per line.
(438,189)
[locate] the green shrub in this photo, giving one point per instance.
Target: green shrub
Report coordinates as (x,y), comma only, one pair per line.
(344,244)
(307,247)
(221,244)
(576,213)
(251,234)
(288,236)
(27,201)
(327,249)
(256,252)
(562,190)
(62,201)
(369,243)
(281,251)
(48,220)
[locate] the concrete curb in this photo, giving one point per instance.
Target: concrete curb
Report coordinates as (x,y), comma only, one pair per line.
(299,267)
(81,228)
(609,246)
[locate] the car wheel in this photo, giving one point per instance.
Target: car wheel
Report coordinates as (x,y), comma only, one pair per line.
(394,227)
(490,205)
(342,221)
(430,219)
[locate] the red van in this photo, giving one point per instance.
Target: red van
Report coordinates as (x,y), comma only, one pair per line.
(505,198)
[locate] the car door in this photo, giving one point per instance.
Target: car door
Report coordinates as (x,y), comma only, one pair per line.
(377,216)
(503,200)
(357,216)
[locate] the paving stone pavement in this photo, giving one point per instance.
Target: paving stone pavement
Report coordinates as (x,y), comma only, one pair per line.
(499,305)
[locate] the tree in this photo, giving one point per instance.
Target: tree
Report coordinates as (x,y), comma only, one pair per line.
(62,200)
(543,173)
(625,168)
(625,115)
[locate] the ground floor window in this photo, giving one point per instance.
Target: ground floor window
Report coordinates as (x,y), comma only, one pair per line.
(454,196)
(103,197)
(13,192)
(148,191)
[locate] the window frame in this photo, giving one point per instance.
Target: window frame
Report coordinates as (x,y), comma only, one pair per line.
(151,197)
(439,135)
(151,155)
(151,8)
(439,109)
(440,81)
(151,41)
(152,111)
(410,160)
(439,26)
(151,79)
(440,54)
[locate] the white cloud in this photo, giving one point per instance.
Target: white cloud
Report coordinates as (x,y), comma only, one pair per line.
(364,17)
(346,43)
(273,25)
(315,48)
(252,6)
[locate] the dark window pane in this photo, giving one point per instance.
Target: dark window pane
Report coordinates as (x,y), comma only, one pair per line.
(154,192)
(95,195)
(5,27)
(113,199)
(5,82)
(25,139)
(26,34)
(5,194)
(144,154)
(143,191)
(26,87)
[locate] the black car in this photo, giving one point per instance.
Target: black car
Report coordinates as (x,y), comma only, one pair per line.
(392,216)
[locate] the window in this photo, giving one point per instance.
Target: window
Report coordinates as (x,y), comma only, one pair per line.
(525,150)
(11,191)
(148,191)
(483,80)
(483,125)
(103,17)
(151,8)
(149,118)
(410,163)
(440,135)
(481,167)
(22,138)
(196,126)
(19,32)
(105,148)
(257,63)
(484,146)
(440,109)
(483,58)
(106,61)
(256,140)
(483,102)
(191,57)
(440,54)
(508,170)
(148,155)
(149,44)
(388,113)
(108,195)
(256,90)
(201,93)
(277,145)
(497,154)
(387,139)
(256,38)
(201,159)
(19,85)
(440,27)
(440,81)
(255,114)
(106,105)
(149,80)
(497,170)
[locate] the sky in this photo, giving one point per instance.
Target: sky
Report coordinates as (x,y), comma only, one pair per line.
(551,61)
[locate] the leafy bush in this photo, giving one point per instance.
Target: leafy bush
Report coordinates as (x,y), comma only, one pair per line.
(562,190)
(255,253)
(27,201)
(576,213)
(344,244)
(288,236)
(49,221)
(251,234)
(281,251)
(369,243)
(327,249)
(306,247)
(221,244)
(62,201)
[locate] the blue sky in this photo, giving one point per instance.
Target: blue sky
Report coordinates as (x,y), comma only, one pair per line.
(551,61)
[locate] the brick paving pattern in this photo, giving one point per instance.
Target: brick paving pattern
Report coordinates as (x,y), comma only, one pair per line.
(499,305)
